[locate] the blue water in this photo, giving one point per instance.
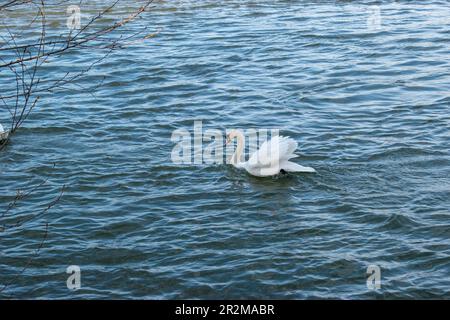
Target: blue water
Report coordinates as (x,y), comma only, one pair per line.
(368,104)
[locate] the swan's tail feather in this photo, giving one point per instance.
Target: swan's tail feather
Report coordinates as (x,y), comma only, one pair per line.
(292,155)
(293,167)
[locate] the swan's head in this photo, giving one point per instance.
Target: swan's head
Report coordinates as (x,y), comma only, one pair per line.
(233,134)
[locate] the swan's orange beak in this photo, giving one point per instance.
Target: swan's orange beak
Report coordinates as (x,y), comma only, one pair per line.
(228,140)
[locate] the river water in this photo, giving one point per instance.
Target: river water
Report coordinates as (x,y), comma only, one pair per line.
(365,90)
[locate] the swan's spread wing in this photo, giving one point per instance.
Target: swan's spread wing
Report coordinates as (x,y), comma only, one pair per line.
(272,152)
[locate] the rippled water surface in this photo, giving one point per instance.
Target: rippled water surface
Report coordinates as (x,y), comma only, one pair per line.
(368,106)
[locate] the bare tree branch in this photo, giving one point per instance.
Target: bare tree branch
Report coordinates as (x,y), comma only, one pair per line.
(29,42)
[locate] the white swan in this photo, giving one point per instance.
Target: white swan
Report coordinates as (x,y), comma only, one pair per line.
(271,158)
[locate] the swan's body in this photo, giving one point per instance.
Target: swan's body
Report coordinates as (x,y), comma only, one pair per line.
(272,157)
(1,128)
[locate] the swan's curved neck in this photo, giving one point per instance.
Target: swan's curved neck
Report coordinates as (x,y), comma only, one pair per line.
(237,156)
